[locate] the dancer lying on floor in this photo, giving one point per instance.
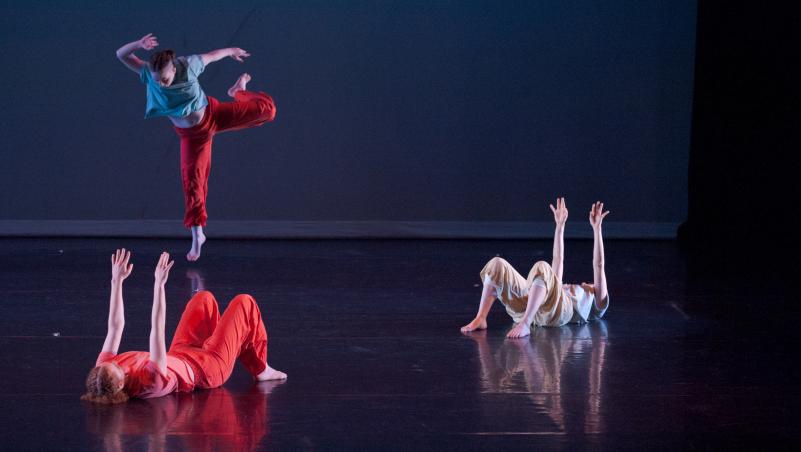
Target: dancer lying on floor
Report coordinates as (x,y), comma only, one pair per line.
(173,91)
(203,351)
(542,299)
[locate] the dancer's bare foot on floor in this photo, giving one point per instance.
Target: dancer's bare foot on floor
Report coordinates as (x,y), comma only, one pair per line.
(240,85)
(476,324)
(270,374)
(198,239)
(519,330)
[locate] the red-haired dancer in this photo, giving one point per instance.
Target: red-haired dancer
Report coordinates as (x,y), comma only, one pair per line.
(203,351)
(173,91)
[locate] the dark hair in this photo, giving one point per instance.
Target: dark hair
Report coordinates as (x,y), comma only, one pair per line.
(160,59)
(101,387)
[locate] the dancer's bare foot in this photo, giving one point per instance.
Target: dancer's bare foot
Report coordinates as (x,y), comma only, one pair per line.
(240,85)
(476,324)
(270,374)
(198,239)
(519,330)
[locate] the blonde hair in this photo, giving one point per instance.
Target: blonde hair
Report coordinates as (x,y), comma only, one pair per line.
(101,387)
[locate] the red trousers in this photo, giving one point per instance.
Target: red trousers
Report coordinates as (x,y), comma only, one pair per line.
(211,344)
(249,109)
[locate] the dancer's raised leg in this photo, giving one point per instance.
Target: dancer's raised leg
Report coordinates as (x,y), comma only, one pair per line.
(241,335)
(249,109)
(240,85)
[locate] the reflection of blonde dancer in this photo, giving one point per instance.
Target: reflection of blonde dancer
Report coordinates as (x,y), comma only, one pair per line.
(203,420)
(540,363)
(542,299)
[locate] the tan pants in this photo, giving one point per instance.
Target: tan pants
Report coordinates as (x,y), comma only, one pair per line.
(512,290)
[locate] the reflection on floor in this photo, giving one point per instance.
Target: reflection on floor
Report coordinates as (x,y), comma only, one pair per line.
(536,367)
(368,332)
(199,421)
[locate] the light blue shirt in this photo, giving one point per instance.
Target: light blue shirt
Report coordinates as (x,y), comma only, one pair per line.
(181,98)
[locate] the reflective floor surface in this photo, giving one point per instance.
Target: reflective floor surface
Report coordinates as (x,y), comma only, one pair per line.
(368,332)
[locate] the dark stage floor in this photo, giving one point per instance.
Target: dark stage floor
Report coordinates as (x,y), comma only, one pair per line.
(368,332)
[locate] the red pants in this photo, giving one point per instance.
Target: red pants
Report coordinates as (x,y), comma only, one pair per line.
(211,344)
(248,110)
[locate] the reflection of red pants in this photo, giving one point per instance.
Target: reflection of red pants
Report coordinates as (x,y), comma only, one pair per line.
(205,420)
(211,344)
(249,109)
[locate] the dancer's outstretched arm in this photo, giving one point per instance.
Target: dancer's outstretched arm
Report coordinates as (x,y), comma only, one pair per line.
(126,53)
(216,55)
(597,216)
(158,346)
(120,269)
(560,218)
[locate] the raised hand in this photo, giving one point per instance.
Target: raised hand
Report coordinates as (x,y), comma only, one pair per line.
(148,42)
(163,268)
(238,54)
(597,214)
(120,268)
(560,211)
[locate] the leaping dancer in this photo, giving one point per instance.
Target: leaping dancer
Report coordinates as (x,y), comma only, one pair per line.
(173,91)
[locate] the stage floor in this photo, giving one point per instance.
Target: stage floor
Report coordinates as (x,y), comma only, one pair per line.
(368,332)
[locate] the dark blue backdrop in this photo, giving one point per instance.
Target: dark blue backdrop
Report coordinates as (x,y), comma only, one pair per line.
(387,110)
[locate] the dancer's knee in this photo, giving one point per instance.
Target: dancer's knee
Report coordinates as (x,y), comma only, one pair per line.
(203,296)
(491,273)
(497,263)
(243,299)
(267,110)
(541,268)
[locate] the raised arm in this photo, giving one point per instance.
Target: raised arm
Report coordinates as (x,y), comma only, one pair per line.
(597,215)
(560,218)
(120,269)
(158,346)
(216,55)
(126,53)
